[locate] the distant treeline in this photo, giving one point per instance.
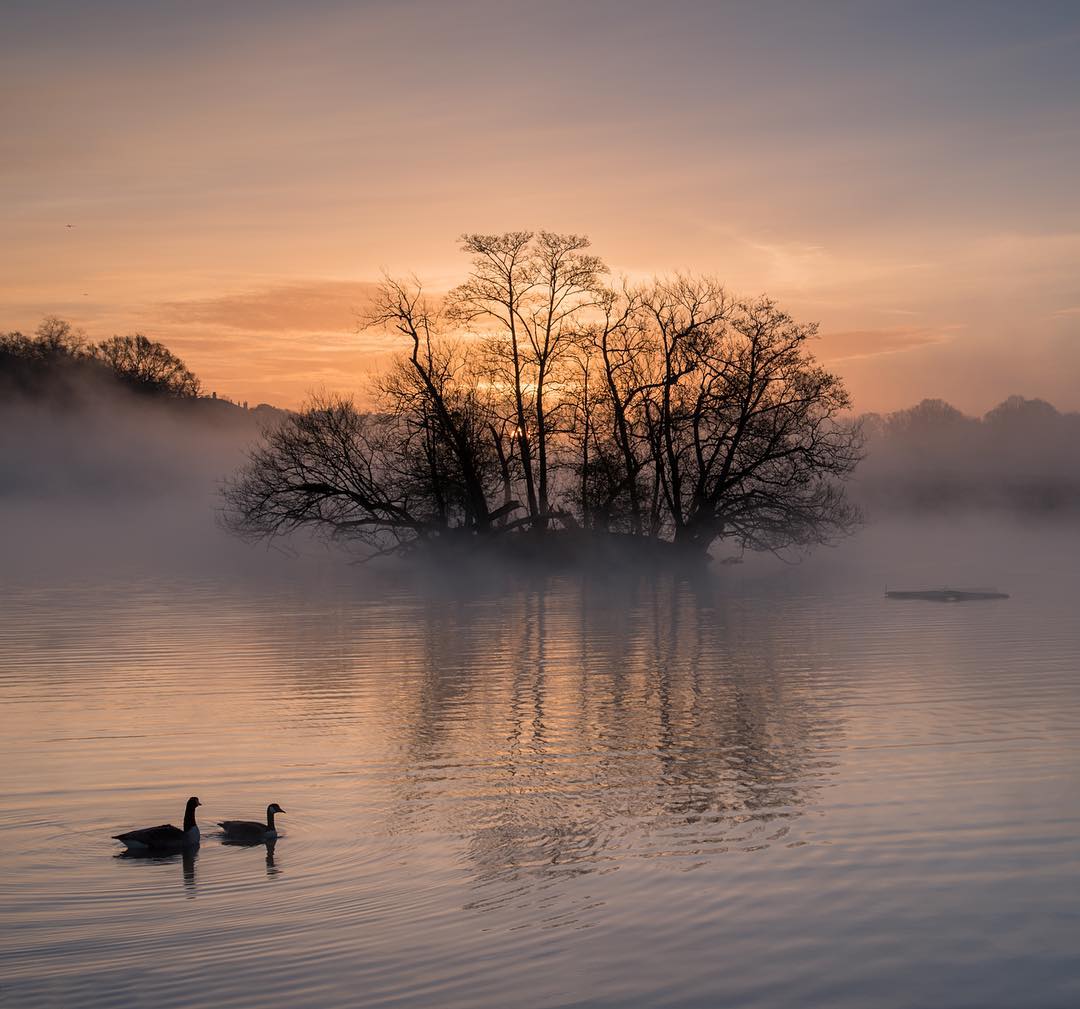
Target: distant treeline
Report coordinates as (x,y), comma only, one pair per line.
(59,364)
(1024,455)
(119,421)
(58,356)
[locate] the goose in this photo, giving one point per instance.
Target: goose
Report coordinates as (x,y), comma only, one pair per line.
(252,830)
(166,837)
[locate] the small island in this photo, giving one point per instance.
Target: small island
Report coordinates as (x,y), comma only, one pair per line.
(540,412)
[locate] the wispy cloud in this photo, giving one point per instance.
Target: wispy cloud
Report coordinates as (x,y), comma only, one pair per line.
(856,344)
(279,341)
(303,306)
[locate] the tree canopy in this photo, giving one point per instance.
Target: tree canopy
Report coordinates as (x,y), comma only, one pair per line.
(57,351)
(538,396)
(147,366)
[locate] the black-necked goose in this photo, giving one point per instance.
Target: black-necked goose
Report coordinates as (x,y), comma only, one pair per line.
(252,830)
(165,837)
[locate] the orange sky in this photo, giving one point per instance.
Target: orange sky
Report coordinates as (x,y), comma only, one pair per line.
(236,179)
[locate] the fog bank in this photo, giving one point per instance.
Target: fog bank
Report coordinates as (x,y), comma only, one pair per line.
(101,480)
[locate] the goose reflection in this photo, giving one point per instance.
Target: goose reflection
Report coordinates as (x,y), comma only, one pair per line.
(270,844)
(187,858)
(271,868)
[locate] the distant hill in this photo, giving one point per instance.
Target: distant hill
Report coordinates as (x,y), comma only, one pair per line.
(59,366)
(120,419)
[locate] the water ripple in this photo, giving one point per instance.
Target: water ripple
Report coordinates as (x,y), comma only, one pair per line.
(571,793)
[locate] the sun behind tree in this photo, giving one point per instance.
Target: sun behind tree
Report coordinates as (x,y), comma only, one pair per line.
(538,401)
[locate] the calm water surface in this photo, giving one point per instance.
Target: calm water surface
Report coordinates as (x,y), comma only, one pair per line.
(561,792)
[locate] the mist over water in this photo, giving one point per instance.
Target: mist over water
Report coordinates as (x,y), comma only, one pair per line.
(96,479)
(764,785)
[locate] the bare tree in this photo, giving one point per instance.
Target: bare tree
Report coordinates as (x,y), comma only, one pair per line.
(147,366)
(619,343)
(685,317)
(502,277)
(328,467)
(528,290)
(668,412)
(56,336)
(567,280)
(759,437)
(451,404)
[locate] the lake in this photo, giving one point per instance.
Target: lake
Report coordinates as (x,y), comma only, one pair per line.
(768,786)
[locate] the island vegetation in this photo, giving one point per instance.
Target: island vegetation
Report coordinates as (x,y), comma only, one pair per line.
(540,408)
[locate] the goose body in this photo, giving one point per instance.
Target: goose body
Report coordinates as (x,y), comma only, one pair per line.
(164,837)
(252,830)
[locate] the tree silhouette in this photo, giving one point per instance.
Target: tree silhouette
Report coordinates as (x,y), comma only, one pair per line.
(666,412)
(527,290)
(147,366)
(57,357)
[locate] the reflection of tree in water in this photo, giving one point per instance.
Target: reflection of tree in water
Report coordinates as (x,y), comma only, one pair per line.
(563,728)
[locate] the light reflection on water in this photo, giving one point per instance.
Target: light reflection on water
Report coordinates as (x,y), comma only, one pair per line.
(562,792)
